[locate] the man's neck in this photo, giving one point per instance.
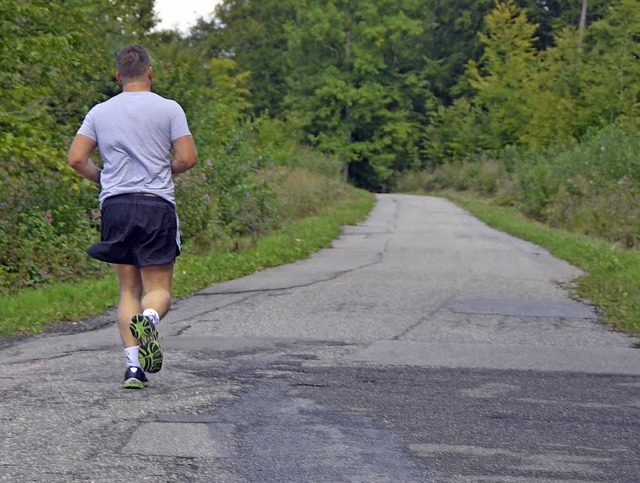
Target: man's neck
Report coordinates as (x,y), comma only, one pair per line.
(136,86)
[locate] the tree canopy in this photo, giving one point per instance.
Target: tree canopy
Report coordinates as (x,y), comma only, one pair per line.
(384,85)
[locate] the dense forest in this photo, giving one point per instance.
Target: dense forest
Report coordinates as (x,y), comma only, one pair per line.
(533,102)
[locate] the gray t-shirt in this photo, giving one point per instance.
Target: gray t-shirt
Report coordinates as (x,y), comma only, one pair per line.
(134,132)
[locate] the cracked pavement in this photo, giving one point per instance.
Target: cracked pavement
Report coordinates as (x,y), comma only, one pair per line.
(423,346)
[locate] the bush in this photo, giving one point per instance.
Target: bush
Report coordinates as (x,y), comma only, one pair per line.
(46,223)
(538,187)
(610,212)
(412,181)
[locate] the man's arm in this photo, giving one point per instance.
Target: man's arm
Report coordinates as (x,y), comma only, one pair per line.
(185,154)
(79,158)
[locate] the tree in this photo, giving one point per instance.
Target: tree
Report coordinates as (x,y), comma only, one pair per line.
(455,133)
(552,106)
(55,66)
(502,77)
(251,32)
(356,85)
(450,39)
(611,70)
(583,16)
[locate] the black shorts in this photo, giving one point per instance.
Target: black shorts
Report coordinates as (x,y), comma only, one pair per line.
(138,230)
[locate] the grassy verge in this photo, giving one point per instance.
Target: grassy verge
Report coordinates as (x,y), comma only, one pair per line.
(30,311)
(612,280)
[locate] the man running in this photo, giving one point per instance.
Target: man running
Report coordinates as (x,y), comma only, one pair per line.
(143,139)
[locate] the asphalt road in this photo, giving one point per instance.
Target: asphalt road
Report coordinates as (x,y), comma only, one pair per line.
(423,347)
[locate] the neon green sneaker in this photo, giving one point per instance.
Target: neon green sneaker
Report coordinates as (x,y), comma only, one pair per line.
(135,378)
(150,353)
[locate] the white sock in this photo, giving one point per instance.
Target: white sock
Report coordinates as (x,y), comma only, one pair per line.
(132,356)
(152,315)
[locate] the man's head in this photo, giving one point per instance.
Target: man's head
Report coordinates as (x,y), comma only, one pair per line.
(133,64)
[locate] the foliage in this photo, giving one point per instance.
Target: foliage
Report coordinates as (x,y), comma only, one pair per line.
(501,78)
(252,34)
(383,85)
(553,16)
(538,98)
(455,133)
(610,211)
(355,86)
(551,102)
(54,67)
(612,68)
(450,40)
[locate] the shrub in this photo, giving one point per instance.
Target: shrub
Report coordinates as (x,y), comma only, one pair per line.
(412,181)
(538,188)
(610,212)
(46,223)
(488,176)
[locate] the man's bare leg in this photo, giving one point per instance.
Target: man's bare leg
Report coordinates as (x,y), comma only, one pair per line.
(130,282)
(131,288)
(157,283)
(140,289)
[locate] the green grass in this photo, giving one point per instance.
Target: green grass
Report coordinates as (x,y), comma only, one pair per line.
(612,280)
(31,311)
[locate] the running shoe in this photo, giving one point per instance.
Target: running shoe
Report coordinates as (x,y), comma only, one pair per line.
(135,378)
(150,353)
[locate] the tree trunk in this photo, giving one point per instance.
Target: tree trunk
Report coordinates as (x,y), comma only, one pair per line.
(583,17)
(347,107)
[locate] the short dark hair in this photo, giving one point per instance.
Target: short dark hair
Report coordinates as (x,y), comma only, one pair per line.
(132,61)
